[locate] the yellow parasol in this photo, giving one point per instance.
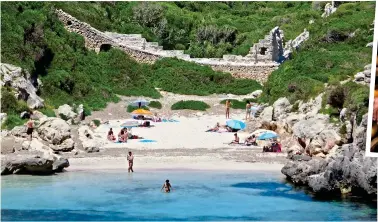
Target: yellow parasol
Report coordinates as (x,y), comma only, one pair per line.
(141,112)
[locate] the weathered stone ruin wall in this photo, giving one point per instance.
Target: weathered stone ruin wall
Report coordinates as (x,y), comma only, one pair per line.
(264,57)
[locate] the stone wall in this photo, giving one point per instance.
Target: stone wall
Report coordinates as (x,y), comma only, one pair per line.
(264,57)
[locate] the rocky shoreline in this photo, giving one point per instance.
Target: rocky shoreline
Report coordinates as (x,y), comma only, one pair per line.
(332,163)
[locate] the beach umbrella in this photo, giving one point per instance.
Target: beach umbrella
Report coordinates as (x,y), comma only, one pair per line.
(236,124)
(141,112)
(141,102)
(267,135)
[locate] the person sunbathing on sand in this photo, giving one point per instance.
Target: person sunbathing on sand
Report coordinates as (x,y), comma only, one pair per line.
(122,136)
(215,128)
(236,139)
(167,186)
(251,141)
(111,136)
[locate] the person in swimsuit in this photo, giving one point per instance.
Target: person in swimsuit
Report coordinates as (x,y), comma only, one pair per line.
(236,140)
(247,110)
(228,105)
(167,186)
(111,136)
(130,158)
(30,125)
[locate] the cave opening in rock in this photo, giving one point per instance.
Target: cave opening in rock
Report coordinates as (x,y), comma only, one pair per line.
(105,47)
(263,50)
(69,22)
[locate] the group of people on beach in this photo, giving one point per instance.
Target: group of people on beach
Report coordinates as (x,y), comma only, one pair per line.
(250,109)
(220,128)
(123,135)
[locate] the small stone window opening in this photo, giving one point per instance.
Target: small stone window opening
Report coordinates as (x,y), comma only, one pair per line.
(263,50)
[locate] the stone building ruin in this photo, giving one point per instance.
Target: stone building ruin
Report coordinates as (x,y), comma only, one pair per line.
(263,58)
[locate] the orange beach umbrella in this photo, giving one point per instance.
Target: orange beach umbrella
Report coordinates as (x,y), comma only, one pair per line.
(141,112)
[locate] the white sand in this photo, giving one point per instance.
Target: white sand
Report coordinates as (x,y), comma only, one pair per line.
(169,163)
(188,133)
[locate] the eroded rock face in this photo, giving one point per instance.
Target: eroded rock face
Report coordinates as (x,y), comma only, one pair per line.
(344,170)
(267,114)
(67,111)
(308,128)
(35,165)
(280,108)
(57,133)
(89,141)
(22,83)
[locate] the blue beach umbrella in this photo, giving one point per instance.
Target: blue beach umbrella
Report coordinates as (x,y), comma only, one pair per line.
(141,102)
(267,135)
(235,124)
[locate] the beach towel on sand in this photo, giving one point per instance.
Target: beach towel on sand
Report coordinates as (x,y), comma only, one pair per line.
(147,141)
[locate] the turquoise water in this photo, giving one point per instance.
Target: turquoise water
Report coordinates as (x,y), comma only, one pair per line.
(197,195)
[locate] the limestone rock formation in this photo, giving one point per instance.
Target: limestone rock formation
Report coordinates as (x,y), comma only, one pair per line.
(89,142)
(57,133)
(364,76)
(3,117)
(329,9)
(344,170)
(66,112)
(33,165)
(24,86)
(280,107)
(267,114)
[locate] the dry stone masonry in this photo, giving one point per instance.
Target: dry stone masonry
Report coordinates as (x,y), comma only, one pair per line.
(264,57)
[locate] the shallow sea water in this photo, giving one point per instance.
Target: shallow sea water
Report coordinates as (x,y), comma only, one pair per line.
(197,195)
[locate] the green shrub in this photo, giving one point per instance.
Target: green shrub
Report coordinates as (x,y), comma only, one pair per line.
(48,112)
(13,120)
(97,122)
(190,104)
(131,108)
(343,129)
(295,107)
(155,104)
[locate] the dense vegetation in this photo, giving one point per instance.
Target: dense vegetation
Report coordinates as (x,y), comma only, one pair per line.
(335,51)
(33,38)
(37,41)
(190,104)
(203,29)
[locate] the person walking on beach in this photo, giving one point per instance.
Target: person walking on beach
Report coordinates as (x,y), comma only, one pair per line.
(130,158)
(167,186)
(228,106)
(30,126)
(247,110)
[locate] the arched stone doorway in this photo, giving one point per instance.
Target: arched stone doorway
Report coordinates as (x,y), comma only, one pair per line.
(105,47)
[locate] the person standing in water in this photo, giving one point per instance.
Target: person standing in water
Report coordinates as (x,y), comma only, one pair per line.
(130,158)
(167,186)
(228,106)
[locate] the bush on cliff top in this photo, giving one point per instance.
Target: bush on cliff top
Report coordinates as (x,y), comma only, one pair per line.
(190,104)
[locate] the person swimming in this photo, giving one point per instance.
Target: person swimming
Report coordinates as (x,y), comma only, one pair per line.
(167,186)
